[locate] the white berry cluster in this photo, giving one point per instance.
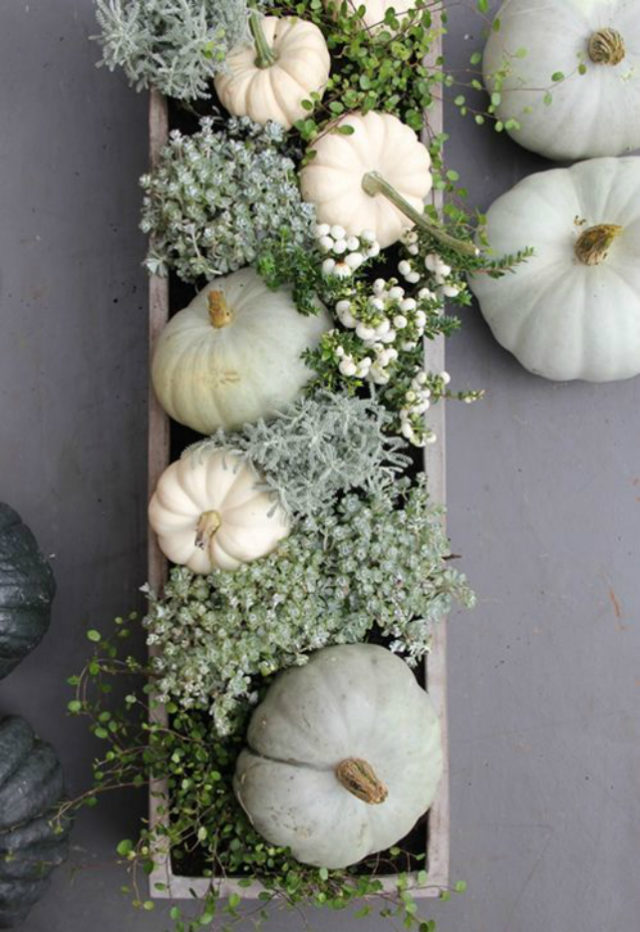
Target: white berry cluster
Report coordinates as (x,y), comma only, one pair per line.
(442,279)
(344,253)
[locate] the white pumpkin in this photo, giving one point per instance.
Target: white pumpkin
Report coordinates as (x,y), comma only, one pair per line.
(233,355)
(374,10)
(572,311)
(591,114)
(344,756)
(210,512)
(382,155)
(269,80)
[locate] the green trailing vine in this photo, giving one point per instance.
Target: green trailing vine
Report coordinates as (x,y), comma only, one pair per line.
(208,831)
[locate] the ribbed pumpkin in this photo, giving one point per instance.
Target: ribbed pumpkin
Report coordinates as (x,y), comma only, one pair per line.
(344,756)
(31,783)
(27,587)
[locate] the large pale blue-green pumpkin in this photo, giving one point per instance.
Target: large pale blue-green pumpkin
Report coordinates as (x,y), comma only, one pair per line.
(568,72)
(572,310)
(344,756)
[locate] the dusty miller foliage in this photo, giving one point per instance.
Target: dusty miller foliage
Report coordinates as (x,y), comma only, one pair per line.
(318,448)
(215,198)
(175,46)
(375,564)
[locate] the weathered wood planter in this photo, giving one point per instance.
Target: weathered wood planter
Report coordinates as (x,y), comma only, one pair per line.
(164,883)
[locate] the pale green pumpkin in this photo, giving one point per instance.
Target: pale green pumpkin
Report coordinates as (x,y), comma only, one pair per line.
(344,756)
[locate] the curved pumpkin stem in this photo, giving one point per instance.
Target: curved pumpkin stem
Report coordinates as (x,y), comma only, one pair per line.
(373,183)
(265,56)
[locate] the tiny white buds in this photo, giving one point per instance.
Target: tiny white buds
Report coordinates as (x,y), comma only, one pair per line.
(338,232)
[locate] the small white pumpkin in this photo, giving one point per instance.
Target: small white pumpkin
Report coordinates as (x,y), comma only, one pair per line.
(591,114)
(344,756)
(210,512)
(269,80)
(233,355)
(367,180)
(374,10)
(572,311)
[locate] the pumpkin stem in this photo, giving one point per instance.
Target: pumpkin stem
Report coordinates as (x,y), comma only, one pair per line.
(358,776)
(265,56)
(207,526)
(593,243)
(373,183)
(219,311)
(606,47)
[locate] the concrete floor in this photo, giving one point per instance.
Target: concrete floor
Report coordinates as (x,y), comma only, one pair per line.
(544,505)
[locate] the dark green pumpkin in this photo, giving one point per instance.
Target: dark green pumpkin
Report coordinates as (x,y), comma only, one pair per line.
(27,587)
(31,784)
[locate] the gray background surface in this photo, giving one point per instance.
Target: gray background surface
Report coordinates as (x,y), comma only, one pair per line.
(544,504)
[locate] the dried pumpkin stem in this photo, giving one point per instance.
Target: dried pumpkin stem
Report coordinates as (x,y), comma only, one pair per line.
(220,313)
(265,56)
(209,523)
(606,47)
(358,776)
(373,183)
(593,244)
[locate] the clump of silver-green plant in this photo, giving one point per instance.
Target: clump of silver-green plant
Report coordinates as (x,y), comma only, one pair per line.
(175,46)
(377,563)
(318,448)
(217,197)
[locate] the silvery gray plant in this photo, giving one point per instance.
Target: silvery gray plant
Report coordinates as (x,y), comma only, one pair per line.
(175,46)
(217,197)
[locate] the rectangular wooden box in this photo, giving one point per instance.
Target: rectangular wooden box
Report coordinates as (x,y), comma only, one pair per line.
(163,882)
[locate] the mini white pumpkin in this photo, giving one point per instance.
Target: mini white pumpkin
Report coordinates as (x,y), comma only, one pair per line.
(233,355)
(572,311)
(269,80)
(344,756)
(210,512)
(374,10)
(591,114)
(367,180)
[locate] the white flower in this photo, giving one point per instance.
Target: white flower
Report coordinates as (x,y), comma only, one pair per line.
(342,270)
(400,322)
(347,366)
(407,430)
(376,304)
(322,229)
(413,278)
(364,332)
(373,250)
(379,285)
(340,351)
(425,294)
(328,266)
(387,337)
(353,243)
(368,236)
(410,396)
(325,243)
(431,438)
(383,327)
(354,260)
(446,378)
(396,293)
(338,232)
(404,267)
(413,250)
(450,291)
(408,304)
(340,246)
(343,306)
